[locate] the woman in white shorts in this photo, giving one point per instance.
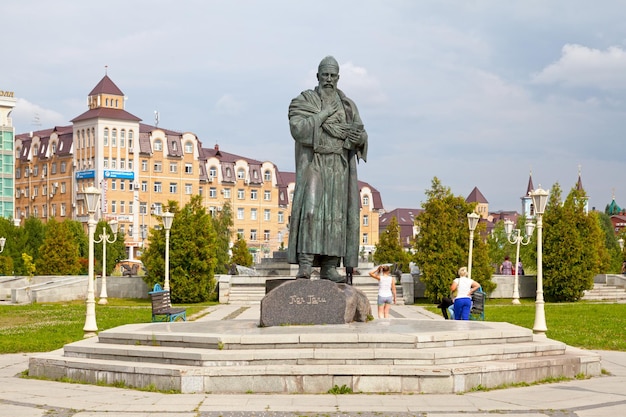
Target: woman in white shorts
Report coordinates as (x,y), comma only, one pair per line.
(386,289)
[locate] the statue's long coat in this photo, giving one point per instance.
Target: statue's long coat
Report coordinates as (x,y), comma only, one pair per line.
(325,208)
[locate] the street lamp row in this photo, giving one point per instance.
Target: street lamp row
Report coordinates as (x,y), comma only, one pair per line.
(92,197)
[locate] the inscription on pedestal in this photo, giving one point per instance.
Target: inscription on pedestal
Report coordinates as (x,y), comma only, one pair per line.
(304,302)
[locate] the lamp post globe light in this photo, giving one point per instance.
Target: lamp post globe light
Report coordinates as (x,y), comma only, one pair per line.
(104,238)
(91,195)
(514,236)
(472,220)
(3,241)
(168,218)
(540,198)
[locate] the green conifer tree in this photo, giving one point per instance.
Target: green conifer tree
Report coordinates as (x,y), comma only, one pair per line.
(389,248)
(442,245)
(240,253)
(59,251)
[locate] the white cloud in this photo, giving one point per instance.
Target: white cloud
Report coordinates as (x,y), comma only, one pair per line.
(228,105)
(581,66)
(28,117)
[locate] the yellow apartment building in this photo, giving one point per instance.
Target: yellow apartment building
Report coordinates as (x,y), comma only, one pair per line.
(139,168)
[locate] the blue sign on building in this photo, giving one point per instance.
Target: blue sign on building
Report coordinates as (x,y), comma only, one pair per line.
(80,175)
(124,175)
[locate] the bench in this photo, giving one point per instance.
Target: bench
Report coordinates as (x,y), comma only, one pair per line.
(162,309)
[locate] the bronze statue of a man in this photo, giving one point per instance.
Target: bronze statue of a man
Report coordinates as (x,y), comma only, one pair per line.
(330,139)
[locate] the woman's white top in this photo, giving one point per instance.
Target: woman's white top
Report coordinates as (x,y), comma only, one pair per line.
(464,286)
(384,286)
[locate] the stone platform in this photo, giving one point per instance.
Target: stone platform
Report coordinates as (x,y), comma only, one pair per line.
(399,355)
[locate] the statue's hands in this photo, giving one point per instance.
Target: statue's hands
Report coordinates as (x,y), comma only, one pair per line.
(354,139)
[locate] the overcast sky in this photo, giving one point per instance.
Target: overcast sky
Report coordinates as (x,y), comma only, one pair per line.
(476,93)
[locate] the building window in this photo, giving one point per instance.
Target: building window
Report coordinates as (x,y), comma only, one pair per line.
(158,187)
(281,217)
(122,207)
(106,137)
(188,169)
(226,192)
(63,188)
(366,200)
(253,235)
(212,192)
(241,194)
(366,220)
(113,185)
(173,187)
(253,194)
(240,213)
(267,175)
(188,147)
(113,206)
(122,138)
(188,189)
(267,195)
(240,233)
(266,214)
(212,172)
(114,137)
(253,214)
(173,167)
(365,239)
(144,186)
(63,210)
(63,167)
(144,165)
(53,168)
(241,174)
(122,163)
(266,235)
(158,145)
(158,167)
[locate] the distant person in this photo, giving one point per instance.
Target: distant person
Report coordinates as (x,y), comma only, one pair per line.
(386,289)
(507,267)
(624,268)
(464,287)
(520,268)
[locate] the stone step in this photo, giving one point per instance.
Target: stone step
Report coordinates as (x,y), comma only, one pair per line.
(202,357)
(397,355)
(603,292)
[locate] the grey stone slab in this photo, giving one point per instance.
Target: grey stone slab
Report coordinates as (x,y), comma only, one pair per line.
(304,301)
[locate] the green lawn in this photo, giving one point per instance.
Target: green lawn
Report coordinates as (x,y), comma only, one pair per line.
(588,325)
(49,326)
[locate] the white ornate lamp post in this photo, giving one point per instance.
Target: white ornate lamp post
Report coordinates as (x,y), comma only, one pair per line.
(92,195)
(168,218)
(515,237)
(3,241)
(472,220)
(540,198)
(104,238)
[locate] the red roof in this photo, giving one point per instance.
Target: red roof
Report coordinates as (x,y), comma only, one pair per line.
(106,86)
(106,113)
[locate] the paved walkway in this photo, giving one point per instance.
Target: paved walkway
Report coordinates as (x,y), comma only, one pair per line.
(596,397)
